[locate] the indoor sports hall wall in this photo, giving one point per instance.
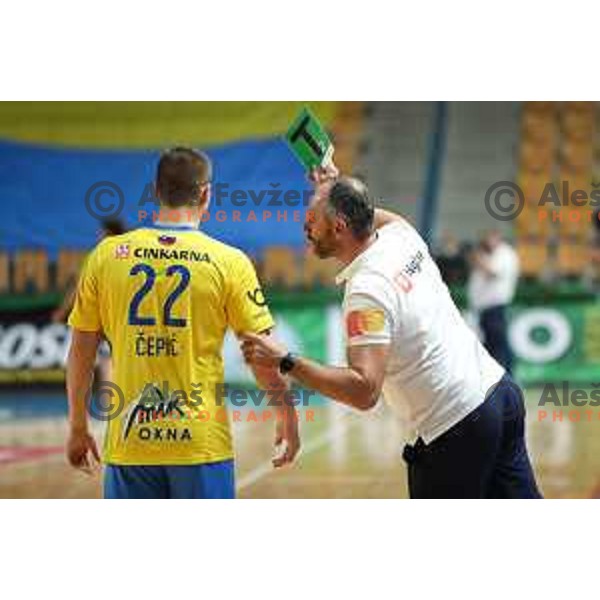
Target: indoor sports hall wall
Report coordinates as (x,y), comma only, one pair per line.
(53,154)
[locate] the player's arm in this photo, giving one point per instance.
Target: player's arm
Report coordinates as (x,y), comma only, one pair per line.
(247,312)
(82,451)
(287,437)
(358,385)
(84,320)
(61,314)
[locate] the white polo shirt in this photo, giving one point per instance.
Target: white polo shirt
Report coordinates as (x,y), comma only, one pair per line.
(438,371)
(485,290)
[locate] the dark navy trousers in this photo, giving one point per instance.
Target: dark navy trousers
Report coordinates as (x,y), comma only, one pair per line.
(482,456)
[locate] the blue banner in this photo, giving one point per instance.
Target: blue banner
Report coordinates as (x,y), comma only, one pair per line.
(259,194)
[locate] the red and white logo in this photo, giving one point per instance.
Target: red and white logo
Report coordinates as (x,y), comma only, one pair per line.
(122,251)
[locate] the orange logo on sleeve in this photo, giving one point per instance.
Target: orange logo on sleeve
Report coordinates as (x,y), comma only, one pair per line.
(361,322)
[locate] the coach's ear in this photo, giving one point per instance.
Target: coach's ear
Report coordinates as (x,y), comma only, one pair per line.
(340,224)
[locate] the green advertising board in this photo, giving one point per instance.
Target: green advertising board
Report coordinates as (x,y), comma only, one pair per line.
(551,343)
(556,343)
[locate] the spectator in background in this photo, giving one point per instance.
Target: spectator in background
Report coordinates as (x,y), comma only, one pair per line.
(451,259)
(491,289)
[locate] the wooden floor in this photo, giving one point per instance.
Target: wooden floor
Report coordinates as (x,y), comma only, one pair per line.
(345,455)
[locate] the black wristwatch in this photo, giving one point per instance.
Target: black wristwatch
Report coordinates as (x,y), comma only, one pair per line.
(287,363)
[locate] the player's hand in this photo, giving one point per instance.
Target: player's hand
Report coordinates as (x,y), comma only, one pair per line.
(287,440)
(82,452)
(324,174)
(261,350)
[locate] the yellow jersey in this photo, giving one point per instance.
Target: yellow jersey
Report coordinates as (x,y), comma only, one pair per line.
(164,299)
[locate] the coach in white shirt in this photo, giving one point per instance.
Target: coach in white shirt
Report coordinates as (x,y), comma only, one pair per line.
(407,340)
(491,289)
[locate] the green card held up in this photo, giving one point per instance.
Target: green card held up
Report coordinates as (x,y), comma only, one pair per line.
(309,141)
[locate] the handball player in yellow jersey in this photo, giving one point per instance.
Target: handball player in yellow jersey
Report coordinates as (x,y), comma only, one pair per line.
(164,297)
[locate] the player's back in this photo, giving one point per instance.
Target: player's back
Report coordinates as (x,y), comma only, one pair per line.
(164,300)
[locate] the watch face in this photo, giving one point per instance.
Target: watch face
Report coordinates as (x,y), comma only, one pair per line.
(287,363)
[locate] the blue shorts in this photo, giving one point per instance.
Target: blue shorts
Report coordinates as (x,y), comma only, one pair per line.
(206,481)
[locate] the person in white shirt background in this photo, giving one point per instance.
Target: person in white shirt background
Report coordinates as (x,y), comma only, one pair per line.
(491,289)
(405,338)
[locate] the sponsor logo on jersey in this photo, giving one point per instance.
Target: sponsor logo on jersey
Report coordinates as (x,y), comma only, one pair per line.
(404,277)
(164,254)
(150,411)
(257,296)
(362,322)
(122,251)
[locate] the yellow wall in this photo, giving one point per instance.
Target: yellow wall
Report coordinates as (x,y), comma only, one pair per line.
(149,124)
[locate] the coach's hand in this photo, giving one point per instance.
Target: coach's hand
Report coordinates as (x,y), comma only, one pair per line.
(323,174)
(262,350)
(82,452)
